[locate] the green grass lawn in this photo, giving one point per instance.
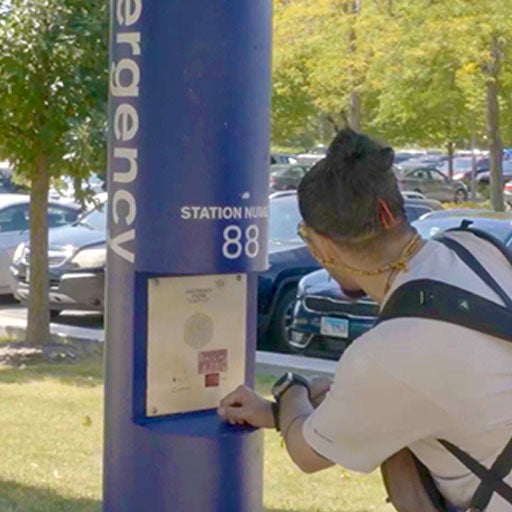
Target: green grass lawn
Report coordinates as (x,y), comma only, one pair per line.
(51,450)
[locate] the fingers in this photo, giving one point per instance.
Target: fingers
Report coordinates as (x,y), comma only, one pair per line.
(244,407)
(233,415)
(237,397)
(232,407)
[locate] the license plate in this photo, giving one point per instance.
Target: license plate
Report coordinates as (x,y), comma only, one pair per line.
(335,327)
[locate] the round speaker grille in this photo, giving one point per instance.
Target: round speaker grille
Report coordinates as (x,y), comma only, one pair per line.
(198,330)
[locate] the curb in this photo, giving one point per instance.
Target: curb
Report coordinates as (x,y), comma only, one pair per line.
(274,364)
(92,341)
(81,339)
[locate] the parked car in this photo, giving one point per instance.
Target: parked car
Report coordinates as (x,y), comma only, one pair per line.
(312,156)
(325,321)
(484,178)
(286,177)
(76,256)
(282,158)
(460,166)
(433,184)
(412,194)
(14,227)
(7,185)
(427,160)
(290,260)
(402,156)
(482,165)
(507,192)
(416,208)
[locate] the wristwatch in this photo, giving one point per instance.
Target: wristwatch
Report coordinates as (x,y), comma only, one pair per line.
(281,386)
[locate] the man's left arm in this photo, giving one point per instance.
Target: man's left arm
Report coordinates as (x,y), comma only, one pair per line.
(295,409)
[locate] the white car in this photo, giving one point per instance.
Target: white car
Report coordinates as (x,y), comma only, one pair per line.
(14,227)
(313,155)
(412,194)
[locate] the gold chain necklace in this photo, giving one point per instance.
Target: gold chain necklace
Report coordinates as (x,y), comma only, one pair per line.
(398,265)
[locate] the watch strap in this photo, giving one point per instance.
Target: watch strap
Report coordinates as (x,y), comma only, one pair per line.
(297,380)
(288,380)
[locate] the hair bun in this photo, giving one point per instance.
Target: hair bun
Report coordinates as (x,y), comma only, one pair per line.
(353,150)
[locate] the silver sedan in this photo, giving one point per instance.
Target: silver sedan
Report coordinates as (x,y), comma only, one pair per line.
(433,184)
(14,227)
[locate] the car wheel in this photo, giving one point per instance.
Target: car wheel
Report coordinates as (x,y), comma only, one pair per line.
(282,319)
(460,195)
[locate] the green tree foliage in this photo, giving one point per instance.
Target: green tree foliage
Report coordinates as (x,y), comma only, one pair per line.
(53,71)
(293,107)
(425,72)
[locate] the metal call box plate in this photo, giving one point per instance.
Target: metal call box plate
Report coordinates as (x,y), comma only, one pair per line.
(196,341)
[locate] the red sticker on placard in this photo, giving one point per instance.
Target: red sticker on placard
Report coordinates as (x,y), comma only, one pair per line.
(212,380)
(212,361)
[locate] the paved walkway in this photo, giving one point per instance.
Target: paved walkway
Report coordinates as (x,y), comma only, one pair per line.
(13,324)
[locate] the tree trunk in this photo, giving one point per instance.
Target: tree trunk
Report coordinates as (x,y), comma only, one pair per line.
(473,167)
(450,147)
(495,145)
(355,112)
(38,329)
(79,191)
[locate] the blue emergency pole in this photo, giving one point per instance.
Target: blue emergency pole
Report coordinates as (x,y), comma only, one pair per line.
(190,85)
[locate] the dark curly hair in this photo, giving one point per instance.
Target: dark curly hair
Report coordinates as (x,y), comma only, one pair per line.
(342,196)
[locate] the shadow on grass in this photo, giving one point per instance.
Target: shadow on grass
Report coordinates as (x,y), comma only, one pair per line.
(16,497)
(87,372)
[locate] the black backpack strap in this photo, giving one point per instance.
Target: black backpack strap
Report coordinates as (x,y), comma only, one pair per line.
(475,266)
(429,299)
(491,479)
(465,226)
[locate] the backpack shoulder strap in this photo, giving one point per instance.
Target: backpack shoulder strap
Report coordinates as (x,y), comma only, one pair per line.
(491,480)
(430,299)
(470,260)
(465,226)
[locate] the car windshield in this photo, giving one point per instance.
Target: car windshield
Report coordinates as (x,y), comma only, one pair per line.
(96,218)
(427,228)
(284,219)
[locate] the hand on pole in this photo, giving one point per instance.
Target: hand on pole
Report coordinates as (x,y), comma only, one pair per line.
(245,407)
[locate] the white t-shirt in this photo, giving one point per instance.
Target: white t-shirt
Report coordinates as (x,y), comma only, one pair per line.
(408,382)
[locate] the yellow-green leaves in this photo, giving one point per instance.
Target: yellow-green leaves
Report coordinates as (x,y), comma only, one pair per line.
(419,66)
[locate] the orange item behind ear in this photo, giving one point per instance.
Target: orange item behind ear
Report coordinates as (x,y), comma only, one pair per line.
(386,215)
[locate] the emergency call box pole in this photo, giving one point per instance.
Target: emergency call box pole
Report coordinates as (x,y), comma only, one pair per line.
(190,85)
